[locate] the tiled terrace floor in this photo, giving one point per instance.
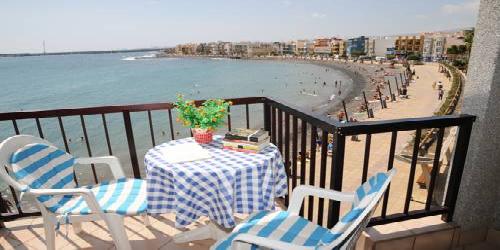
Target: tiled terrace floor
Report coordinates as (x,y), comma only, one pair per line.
(28,233)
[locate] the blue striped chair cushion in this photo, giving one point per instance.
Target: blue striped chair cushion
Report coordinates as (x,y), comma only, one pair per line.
(364,196)
(43,166)
(122,196)
(277,225)
(280,225)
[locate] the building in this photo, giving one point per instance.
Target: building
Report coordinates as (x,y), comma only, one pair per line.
(338,47)
(356,46)
(436,43)
(304,47)
(454,39)
(370,47)
(213,48)
(322,47)
(289,48)
(240,49)
(438,48)
(427,48)
(227,48)
(381,46)
(278,48)
(186,49)
(409,45)
(203,49)
(260,49)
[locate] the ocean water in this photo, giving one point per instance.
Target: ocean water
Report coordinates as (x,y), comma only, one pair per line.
(50,82)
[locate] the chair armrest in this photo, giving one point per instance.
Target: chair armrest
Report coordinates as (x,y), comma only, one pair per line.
(266,242)
(111,161)
(87,195)
(300,192)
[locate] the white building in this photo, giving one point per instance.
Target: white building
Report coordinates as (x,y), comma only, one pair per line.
(438,48)
(434,47)
(381,46)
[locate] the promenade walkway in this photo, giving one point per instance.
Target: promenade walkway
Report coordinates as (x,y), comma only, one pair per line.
(423,101)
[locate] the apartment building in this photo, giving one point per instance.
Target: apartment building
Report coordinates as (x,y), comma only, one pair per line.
(409,44)
(356,46)
(304,47)
(260,49)
(186,49)
(289,48)
(381,46)
(338,46)
(322,46)
(240,49)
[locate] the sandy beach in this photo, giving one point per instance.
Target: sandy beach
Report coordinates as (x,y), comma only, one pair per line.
(365,77)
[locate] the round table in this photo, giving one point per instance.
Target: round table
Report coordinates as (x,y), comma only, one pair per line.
(228,182)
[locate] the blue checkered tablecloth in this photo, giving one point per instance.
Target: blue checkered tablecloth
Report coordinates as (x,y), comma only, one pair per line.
(227,183)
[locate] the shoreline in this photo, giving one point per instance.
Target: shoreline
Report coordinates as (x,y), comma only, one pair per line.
(364,77)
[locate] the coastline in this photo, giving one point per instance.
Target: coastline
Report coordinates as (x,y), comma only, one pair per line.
(364,77)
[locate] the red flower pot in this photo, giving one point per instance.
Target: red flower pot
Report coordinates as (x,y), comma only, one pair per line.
(202,136)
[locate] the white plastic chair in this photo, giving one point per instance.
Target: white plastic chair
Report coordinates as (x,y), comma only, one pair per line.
(79,204)
(286,230)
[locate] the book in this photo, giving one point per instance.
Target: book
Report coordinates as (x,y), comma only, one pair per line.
(248,146)
(240,149)
(263,141)
(247,135)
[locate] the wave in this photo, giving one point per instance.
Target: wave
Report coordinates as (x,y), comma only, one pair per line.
(130,58)
(307,93)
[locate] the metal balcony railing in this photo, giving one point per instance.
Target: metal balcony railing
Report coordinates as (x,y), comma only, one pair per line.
(293,130)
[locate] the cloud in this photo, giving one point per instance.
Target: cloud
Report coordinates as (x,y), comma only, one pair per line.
(469,6)
(318,15)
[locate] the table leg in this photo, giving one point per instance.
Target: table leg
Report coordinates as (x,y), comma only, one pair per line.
(209,231)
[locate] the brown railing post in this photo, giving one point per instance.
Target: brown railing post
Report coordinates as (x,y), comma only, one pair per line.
(337,174)
(457,168)
(267,117)
(397,85)
(131,144)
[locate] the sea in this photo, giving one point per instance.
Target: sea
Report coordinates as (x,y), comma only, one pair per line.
(86,80)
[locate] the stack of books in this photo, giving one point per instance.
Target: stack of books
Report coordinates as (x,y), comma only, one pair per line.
(246,140)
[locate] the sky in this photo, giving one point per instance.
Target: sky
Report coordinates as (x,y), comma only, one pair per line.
(102,25)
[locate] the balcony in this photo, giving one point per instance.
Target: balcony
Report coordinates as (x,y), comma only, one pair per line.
(292,130)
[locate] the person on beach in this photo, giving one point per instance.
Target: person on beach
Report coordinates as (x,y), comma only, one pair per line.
(318,143)
(440,85)
(405,92)
(354,137)
(335,84)
(324,83)
(340,116)
(440,94)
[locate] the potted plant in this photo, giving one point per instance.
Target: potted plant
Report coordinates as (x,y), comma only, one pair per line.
(204,119)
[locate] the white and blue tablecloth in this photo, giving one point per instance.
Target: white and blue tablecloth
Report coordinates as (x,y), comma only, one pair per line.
(227,183)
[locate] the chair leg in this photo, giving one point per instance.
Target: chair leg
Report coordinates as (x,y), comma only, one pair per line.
(145,219)
(117,230)
(77,227)
(50,234)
